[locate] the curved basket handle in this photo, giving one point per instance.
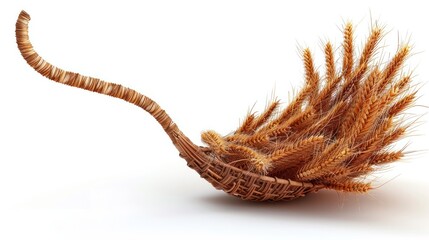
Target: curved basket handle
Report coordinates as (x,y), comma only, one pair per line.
(88,83)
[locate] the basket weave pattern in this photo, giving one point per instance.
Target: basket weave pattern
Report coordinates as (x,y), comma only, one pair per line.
(238,182)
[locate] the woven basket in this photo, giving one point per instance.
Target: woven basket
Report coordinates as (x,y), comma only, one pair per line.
(237,182)
(247,185)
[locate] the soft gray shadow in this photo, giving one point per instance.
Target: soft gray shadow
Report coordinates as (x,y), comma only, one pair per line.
(395,206)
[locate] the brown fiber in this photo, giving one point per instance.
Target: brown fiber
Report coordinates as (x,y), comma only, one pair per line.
(337,130)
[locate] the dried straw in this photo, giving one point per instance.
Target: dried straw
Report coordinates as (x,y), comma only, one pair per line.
(337,129)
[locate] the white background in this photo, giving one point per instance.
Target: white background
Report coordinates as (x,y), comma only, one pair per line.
(77,165)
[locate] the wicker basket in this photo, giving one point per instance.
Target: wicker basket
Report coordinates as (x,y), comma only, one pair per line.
(341,135)
(237,182)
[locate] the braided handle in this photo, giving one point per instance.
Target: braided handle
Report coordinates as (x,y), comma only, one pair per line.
(89,83)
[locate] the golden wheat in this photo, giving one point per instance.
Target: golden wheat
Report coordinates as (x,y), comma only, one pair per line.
(352,116)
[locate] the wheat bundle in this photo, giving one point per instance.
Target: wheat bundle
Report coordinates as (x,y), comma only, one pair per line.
(338,129)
